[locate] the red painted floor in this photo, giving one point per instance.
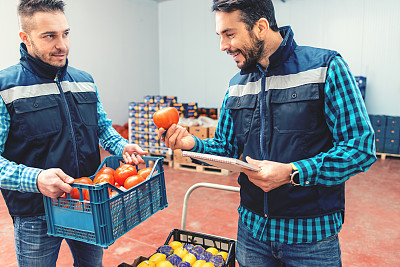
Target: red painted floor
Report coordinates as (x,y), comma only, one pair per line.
(370,235)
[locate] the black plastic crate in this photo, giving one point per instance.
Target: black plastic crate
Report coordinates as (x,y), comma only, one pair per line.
(205,240)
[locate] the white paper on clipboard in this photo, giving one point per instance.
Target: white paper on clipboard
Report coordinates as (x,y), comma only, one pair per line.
(231,164)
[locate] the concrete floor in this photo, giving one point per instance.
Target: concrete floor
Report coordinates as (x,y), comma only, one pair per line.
(370,235)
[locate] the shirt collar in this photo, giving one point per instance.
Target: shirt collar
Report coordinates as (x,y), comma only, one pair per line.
(39,67)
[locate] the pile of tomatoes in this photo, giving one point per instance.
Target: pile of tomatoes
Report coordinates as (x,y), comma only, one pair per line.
(124,177)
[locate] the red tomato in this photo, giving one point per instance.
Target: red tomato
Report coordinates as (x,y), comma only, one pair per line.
(133,180)
(123,172)
(106,170)
(75,191)
(104,177)
(165,117)
(145,172)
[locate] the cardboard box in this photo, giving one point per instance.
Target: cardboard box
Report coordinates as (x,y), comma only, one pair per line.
(211,132)
(198,131)
(178,158)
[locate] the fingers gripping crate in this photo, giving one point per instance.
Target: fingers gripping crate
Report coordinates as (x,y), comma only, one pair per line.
(103,219)
(206,241)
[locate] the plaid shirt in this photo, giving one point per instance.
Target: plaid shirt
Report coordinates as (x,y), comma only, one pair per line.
(353,152)
(19,177)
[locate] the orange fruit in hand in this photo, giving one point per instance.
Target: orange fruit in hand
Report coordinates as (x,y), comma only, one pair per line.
(165,117)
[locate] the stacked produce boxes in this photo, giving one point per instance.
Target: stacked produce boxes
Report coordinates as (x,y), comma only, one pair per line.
(387,133)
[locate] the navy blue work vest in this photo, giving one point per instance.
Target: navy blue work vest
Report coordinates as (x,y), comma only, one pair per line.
(278,115)
(54,124)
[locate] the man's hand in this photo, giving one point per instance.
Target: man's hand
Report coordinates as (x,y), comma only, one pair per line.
(272,174)
(177,137)
(54,182)
(132,154)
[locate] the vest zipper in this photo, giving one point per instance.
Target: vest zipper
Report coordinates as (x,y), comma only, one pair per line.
(263,112)
(69,122)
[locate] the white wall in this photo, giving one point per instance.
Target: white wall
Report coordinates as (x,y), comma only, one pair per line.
(191,65)
(115,41)
(365,32)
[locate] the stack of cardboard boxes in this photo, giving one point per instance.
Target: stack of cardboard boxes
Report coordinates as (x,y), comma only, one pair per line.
(142,130)
(198,131)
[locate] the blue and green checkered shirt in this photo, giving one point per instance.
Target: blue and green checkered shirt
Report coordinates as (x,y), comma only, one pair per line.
(23,178)
(353,138)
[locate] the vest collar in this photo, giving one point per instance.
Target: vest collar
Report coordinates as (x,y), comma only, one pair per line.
(281,54)
(39,67)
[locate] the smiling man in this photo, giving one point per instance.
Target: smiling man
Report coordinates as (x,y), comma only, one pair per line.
(51,124)
(297,114)
(46,37)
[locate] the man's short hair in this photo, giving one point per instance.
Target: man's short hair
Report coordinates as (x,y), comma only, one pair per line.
(251,11)
(27,8)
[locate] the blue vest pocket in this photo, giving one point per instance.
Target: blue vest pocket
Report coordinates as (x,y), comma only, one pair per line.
(87,107)
(242,111)
(36,117)
(297,109)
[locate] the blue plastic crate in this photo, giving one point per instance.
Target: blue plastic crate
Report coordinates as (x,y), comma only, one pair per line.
(392,146)
(362,84)
(102,220)
(379,125)
(393,127)
(380,144)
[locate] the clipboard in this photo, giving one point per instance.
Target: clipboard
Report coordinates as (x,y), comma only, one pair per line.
(231,164)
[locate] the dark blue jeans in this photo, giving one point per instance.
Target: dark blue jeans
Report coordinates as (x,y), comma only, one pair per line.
(251,252)
(35,248)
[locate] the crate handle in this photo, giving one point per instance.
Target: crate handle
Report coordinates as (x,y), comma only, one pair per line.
(208,185)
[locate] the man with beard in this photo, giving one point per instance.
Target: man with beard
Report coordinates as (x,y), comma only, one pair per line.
(51,123)
(296,113)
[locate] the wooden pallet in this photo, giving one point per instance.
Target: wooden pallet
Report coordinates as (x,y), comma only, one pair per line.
(200,168)
(384,155)
(167,158)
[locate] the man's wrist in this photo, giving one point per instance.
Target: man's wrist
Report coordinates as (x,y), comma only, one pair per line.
(294,176)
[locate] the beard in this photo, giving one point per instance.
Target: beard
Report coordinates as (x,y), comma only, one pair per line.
(46,57)
(251,53)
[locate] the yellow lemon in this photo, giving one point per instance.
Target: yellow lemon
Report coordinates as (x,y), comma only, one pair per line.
(156,258)
(212,250)
(208,264)
(198,263)
(223,254)
(180,251)
(175,244)
(164,264)
(189,258)
(146,263)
